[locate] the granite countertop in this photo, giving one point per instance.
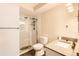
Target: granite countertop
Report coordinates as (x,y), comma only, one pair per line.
(68,51)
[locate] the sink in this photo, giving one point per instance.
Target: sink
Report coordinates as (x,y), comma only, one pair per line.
(62,44)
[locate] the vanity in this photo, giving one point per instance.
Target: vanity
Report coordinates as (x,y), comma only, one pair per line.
(66,46)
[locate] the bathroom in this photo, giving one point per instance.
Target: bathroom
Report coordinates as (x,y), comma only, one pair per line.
(53,21)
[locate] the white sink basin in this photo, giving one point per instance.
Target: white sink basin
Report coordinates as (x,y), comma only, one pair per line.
(62,44)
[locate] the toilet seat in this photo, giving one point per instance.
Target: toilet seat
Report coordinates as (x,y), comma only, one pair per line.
(38,46)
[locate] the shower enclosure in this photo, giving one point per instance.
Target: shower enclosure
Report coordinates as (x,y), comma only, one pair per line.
(28,31)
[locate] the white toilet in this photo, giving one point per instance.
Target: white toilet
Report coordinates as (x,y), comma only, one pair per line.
(39,47)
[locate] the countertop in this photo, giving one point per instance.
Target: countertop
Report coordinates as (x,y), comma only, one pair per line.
(65,51)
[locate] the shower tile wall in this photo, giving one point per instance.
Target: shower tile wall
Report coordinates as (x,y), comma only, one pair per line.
(24,38)
(27,34)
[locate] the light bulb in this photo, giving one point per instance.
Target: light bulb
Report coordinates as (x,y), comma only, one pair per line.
(69,4)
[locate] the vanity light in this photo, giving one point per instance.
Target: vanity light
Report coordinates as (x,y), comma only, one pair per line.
(69,4)
(70,7)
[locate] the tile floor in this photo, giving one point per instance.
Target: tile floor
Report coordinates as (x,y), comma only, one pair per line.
(48,53)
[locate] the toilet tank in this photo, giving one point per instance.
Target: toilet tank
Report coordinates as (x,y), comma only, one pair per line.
(43,40)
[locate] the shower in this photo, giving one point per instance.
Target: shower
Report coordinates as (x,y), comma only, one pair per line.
(34,25)
(28,31)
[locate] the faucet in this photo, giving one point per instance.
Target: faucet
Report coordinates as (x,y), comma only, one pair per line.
(73,45)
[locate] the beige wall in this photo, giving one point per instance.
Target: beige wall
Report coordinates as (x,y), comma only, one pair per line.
(54,23)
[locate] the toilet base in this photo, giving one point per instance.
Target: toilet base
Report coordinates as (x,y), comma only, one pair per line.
(44,53)
(40,53)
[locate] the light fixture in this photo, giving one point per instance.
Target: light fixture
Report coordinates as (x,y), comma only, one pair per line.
(70,7)
(69,4)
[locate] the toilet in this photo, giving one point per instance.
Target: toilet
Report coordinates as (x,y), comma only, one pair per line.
(39,47)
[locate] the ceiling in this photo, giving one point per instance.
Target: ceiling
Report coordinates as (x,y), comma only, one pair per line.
(28,6)
(37,8)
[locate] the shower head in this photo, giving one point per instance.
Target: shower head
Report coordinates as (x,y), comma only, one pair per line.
(34,19)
